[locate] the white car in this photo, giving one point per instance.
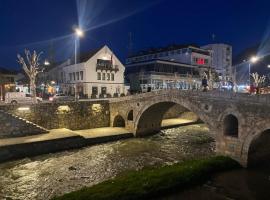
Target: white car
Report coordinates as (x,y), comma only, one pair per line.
(20,98)
(61,97)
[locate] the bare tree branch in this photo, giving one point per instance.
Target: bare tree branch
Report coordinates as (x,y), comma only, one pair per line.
(32,69)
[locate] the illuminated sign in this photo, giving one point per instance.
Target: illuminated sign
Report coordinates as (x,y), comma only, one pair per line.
(200,61)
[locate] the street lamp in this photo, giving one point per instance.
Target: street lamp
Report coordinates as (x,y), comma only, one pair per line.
(78,34)
(46,63)
(252,60)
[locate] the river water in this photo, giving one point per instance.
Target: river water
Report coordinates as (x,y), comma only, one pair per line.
(46,176)
(51,175)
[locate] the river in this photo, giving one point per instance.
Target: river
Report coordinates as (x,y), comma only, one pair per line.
(49,175)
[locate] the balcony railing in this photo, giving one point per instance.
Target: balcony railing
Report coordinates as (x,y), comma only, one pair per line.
(111,68)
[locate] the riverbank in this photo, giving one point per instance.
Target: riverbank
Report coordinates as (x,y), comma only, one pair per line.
(65,139)
(58,140)
(151,183)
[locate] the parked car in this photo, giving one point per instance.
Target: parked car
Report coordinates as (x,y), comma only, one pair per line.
(20,98)
(61,97)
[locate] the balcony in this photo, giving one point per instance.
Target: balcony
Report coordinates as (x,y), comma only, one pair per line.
(110,68)
(106,65)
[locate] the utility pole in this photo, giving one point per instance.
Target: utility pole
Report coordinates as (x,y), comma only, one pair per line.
(130,44)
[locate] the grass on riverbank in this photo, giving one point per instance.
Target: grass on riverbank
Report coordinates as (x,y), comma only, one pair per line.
(150,183)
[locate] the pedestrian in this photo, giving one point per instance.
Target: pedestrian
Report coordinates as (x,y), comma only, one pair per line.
(204,84)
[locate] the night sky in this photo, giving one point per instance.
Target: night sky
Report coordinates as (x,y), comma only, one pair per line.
(47,25)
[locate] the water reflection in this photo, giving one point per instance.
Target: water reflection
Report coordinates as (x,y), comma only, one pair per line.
(54,174)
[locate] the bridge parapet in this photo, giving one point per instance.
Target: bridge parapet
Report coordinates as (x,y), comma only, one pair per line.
(264,99)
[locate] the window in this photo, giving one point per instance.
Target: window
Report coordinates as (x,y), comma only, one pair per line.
(94,90)
(230,124)
(98,76)
(78,75)
(103,90)
(108,76)
(112,77)
(81,75)
(103,76)
(74,78)
(70,76)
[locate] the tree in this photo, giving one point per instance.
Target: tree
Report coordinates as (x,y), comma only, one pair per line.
(258,80)
(31,68)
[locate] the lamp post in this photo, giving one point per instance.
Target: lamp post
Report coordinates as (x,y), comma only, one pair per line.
(78,34)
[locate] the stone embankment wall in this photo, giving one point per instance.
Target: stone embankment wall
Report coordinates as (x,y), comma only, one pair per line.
(13,126)
(71,115)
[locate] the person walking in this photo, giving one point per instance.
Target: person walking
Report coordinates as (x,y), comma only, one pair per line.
(204,84)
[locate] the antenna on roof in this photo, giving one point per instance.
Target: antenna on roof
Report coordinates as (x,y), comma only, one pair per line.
(213,37)
(130,45)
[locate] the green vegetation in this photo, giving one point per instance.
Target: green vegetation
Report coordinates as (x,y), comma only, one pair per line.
(149,183)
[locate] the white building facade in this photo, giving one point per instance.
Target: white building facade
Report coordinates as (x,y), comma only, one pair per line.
(221,60)
(99,75)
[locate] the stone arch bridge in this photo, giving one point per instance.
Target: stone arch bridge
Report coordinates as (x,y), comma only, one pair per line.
(236,121)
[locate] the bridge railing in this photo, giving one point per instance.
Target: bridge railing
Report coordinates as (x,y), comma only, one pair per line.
(214,94)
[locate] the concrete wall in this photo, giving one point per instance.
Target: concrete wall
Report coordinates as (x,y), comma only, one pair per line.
(71,115)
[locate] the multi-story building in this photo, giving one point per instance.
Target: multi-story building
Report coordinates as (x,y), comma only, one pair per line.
(221,60)
(178,66)
(99,74)
(187,54)
(7,82)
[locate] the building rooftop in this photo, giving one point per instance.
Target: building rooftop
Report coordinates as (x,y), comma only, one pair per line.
(86,56)
(162,60)
(165,49)
(7,71)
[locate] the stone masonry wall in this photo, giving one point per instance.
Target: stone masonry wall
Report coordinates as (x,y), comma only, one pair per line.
(12,126)
(175,111)
(71,115)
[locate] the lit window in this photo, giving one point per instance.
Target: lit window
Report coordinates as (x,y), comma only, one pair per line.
(98,76)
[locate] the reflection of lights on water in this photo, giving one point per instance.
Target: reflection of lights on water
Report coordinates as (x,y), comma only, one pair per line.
(63,109)
(23,109)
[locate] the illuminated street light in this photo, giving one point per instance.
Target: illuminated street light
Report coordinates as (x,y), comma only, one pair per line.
(46,63)
(268,66)
(254,59)
(79,32)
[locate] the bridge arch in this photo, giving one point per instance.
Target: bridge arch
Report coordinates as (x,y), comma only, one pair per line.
(119,121)
(259,149)
(148,119)
(230,126)
(130,115)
